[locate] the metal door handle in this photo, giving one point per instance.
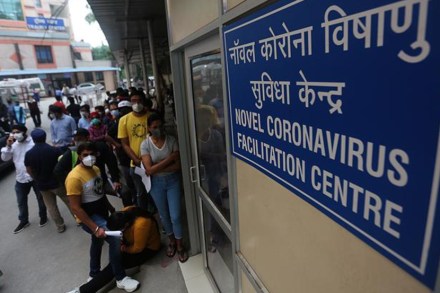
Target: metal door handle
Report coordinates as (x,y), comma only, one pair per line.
(191,174)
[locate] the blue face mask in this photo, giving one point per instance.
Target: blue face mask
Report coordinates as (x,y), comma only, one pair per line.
(158,132)
(115,113)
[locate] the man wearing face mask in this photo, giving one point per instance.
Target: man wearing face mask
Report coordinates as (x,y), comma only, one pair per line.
(85,190)
(123,108)
(132,130)
(16,147)
(62,128)
(106,160)
(84,121)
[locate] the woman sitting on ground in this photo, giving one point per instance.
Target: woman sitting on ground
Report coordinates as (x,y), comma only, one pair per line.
(141,241)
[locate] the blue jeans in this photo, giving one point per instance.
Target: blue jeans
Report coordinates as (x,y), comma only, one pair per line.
(22,191)
(165,191)
(96,249)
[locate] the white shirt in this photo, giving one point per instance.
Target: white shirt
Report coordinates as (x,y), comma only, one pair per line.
(16,152)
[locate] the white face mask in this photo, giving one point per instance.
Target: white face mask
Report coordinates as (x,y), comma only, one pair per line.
(89,161)
(137,107)
(84,114)
(19,136)
(52,116)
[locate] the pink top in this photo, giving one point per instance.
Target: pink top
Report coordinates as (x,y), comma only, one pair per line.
(97,133)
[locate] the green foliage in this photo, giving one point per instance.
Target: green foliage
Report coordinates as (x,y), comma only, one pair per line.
(90,18)
(102,53)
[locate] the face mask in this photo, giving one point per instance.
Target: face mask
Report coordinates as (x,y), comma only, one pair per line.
(52,116)
(89,161)
(107,111)
(115,113)
(137,107)
(156,132)
(19,136)
(84,114)
(96,122)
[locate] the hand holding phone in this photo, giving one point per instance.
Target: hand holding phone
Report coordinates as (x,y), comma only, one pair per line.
(10,140)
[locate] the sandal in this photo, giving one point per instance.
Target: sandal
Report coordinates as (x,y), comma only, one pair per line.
(183,256)
(171,250)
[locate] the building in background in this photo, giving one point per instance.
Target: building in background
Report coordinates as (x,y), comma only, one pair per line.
(36,40)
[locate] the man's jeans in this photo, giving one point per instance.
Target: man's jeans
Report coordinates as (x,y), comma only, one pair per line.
(22,191)
(165,191)
(96,249)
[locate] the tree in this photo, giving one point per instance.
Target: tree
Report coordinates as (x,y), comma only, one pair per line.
(90,18)
(102,53)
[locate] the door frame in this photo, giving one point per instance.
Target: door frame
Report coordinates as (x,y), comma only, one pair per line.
(180,63)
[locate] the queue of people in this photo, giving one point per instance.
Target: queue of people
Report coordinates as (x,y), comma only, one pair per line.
(92,155)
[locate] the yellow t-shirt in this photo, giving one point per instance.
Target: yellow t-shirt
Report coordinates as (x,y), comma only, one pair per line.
(86,182)
(143,233)
(135,129)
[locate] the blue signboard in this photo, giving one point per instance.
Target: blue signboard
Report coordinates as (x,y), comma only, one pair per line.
(42,23)
(339,101)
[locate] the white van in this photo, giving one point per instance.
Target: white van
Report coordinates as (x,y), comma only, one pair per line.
(35,83)
(10,88)
(21,88)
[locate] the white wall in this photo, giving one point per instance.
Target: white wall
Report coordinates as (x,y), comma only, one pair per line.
(62,56)
(187,16)
(6,63)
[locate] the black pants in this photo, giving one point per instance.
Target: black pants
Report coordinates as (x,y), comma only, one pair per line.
(36,117)
(106,275)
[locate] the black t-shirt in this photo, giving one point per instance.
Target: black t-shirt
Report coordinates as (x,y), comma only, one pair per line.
(42,159)
(73,110)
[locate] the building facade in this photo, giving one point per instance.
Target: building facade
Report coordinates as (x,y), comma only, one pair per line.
(36,40)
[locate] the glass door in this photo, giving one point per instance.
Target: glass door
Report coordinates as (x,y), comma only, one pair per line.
(209,167)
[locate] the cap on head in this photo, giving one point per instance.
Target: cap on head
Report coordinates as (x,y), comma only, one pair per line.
(38,135)
(123,104)
(55,109)
(94,115)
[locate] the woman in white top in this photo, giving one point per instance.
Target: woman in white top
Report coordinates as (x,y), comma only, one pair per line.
(160,156)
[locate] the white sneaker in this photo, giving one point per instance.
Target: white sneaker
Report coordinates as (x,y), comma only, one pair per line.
(76,290)
(128,284)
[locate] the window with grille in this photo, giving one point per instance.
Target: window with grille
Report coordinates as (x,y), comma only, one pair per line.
(44,54)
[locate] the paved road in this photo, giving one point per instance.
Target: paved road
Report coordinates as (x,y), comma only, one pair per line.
(43,261)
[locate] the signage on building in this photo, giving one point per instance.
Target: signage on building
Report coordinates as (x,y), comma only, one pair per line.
(340,104)
(42,23)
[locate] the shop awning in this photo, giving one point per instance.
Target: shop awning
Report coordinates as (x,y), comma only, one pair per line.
(55,71)
(124,23)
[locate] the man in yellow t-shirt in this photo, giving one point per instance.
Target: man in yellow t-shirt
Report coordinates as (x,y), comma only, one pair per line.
(132,130)
(85,190)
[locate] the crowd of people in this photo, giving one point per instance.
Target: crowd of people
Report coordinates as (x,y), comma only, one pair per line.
(93,154)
